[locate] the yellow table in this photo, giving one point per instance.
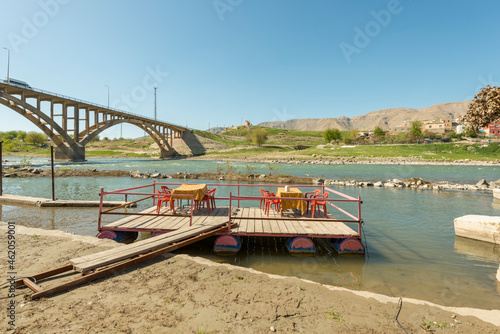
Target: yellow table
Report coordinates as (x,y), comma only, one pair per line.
(291,204)
(197,190)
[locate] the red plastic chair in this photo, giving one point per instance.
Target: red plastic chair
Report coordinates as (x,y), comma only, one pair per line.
(316,202)
(262,194)
(311,194)
(271,200)
(165,197)
(209,198)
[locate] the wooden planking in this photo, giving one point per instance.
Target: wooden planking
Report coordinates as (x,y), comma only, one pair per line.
(276,226)
(127,251)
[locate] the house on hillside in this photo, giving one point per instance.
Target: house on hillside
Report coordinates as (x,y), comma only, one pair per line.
(436,126)
(493,129)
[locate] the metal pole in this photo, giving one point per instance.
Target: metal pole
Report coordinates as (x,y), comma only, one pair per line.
(52,168)
(155,101)
(1,169)
(8,64)
(108,94)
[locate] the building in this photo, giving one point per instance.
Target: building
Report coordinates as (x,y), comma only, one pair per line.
(441,126)
(493,129)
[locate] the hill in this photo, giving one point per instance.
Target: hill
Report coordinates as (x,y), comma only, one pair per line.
(385,118)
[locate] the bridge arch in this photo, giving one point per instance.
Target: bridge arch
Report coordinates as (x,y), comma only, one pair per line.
(95,120)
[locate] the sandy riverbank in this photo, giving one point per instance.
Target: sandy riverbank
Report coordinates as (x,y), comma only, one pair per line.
(183,294)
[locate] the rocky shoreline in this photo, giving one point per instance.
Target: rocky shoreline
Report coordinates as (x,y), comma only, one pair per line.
(411,183)
(352,160)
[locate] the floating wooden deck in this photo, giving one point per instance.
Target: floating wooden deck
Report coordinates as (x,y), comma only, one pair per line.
(251,221)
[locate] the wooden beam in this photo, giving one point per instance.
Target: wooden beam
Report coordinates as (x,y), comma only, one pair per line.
(110,270)
(46,274)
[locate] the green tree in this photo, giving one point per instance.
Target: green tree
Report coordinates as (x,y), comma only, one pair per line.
(416,129)
(10,135)
(259,136)
(332,134)
(354,133)
(35,138)
(378,131)
(21,135)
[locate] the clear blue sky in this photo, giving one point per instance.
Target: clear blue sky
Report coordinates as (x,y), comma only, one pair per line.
(261,60)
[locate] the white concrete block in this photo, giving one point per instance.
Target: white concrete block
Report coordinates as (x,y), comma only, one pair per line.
(484,228)
(496,193)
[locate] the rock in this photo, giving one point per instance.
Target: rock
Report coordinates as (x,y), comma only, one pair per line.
(319,181)
(36,171)
(155,175)
(482,183)
(135,173)
(378,184)
(389,185)
(498,274)
(272,329)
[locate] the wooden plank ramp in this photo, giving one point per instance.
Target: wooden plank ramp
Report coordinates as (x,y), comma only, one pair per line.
(116,265)
(97,260)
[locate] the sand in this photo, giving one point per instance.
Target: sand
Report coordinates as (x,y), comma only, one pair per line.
(184,294)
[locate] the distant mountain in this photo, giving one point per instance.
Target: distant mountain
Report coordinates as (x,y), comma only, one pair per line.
(385,118)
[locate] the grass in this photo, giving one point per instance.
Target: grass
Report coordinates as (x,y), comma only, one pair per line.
(449,151)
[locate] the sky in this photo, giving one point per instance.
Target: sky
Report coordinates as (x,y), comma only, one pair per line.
(221,62)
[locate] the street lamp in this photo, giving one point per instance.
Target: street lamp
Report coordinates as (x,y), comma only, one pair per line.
(8,63)
(108,94)
(155,101)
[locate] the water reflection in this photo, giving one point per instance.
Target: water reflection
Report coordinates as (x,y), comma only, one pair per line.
(478,250)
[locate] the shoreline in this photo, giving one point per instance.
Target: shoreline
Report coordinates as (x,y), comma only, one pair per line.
(411,183)
(185,293)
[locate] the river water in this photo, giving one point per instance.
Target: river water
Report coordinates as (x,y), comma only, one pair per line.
(411,247)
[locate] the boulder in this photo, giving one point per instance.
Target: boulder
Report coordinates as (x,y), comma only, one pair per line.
(378,184)
(482,183)
(319,181)
(389,185)
(135,173)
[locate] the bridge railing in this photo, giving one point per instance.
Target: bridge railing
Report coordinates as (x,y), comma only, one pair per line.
(126,113)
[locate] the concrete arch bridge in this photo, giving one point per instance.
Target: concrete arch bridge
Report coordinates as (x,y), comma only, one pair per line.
(71,123)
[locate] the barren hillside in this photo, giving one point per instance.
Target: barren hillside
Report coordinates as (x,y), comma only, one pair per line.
(385,118)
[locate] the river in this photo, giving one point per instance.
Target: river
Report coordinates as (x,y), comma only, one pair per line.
(411,247)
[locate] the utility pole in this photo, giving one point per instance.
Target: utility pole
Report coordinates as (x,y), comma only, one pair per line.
(155,101)
(8,64)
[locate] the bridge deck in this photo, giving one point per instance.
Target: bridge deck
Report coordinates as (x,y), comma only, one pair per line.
(251,221)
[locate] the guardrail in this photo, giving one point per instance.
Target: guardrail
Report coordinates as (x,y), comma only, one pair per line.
(146,195)
(93,104)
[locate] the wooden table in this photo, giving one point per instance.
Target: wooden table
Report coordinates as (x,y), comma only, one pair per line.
(197,190)
(292,204)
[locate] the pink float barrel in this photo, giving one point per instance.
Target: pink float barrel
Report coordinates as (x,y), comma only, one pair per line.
(348,246)
(118,236)
(301,246)
(227,245)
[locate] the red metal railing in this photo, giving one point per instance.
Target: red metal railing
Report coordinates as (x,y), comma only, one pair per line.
(331,201)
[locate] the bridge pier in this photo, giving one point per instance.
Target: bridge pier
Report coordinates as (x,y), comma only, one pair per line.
(74,153)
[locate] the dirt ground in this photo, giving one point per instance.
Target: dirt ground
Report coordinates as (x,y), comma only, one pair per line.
(183,294)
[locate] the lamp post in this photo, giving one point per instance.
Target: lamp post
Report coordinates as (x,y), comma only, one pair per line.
(155,101)
(108,94)
(8,64)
